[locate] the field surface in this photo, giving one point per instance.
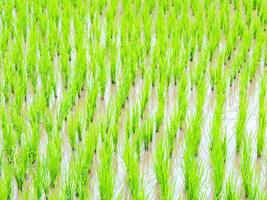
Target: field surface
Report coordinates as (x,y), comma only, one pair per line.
(133,99)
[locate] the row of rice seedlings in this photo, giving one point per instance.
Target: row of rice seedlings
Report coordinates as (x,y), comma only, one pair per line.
(218,142)
(262,116)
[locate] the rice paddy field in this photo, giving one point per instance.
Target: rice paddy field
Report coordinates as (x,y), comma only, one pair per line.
(133,99)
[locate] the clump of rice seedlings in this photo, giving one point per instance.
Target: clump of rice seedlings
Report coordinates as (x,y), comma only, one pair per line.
(262,117)
(105,174)
(74,129)
(193,137)
(21,165)
(80,170)
(102,73)
(41,179)
(192,173)
(216,73)
(182,99)
(162,171)
(242,115)
(123,90)
(113,63)
(147,131)
(161,105)
(216,133)
(91,99)
(48,122)
(159,113)
(218,158)
(64,63)
(247,171)
(134,179)
(28,192)
(113,131)
(231,190)
(67,187)
(145,94)
(53,156)
(9,141)
(5,180)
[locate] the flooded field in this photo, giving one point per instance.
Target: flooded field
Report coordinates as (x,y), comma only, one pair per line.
(133,99)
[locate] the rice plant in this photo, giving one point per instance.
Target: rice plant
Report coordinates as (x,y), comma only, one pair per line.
(262,118)
(105,172)
(162,171)
(247,171)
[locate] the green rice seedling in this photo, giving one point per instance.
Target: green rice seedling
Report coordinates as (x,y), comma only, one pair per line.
(242,115)
(171,132)
(18,124)
(91,99)
(32,141)
(182,99)
(135,117)
(218,158)
(80,170)
(147,33)
(137,142)
(193,138)
(64,64)
(5,180)
(102,73)
(20,166)
(114,133)
(75,129)
(162,171)
(67,189)
(247,170)
(201,95)
(231,190)
(113,63)
(261,195)
(147,131)
(133,172)
(48,123)
(262,117)
(145,94)
(41,178)
(123,90)
(105,172)
(72,131)
(159,113)
(53,156)
(28,192)
(9,142)
(192,174)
